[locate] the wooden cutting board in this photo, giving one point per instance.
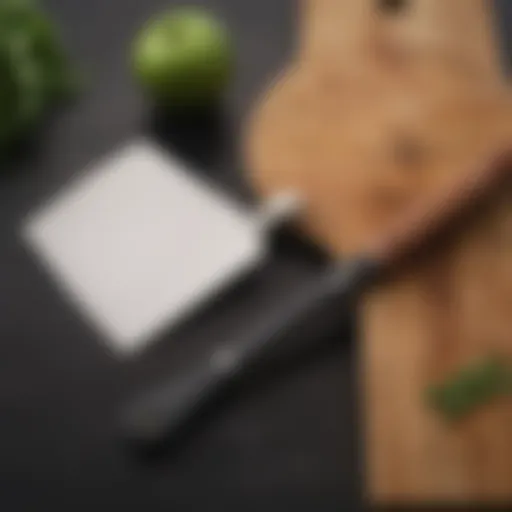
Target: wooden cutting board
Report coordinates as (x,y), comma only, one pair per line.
(384,102)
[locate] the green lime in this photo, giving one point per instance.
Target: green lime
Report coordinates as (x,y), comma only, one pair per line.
(183,57)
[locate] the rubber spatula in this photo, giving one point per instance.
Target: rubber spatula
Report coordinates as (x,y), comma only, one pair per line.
(161,413)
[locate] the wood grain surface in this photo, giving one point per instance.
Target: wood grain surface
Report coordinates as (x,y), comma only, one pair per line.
(384,103)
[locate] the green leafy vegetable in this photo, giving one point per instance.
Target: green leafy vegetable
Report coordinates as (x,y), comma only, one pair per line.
(471,388)
(34,70)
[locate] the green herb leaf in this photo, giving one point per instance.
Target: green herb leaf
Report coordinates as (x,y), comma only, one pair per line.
(34,70)
(471,388)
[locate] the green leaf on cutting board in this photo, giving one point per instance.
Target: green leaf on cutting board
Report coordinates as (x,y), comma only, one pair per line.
(471,388)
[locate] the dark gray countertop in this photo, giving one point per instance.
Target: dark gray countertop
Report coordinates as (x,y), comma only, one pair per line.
(287,442)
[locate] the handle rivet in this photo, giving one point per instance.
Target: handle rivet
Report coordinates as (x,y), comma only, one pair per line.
(223,360)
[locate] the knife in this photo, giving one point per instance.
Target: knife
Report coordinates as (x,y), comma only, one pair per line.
(162,413)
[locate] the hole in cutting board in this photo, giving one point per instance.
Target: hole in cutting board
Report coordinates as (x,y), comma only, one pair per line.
(408,152)
(393,6)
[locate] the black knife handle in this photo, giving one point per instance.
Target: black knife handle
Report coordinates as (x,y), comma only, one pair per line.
(163,412)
